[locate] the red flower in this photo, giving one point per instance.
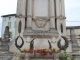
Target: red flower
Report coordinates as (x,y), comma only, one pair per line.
(21,51)
(40,51)
(27,51)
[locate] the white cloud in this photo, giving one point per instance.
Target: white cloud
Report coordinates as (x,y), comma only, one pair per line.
(7,6)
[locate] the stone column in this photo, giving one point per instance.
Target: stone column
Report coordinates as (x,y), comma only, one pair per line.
(24,8)
(29,14)
(63,8)
(57,8)
(19,7)
(57,15)
(52,14)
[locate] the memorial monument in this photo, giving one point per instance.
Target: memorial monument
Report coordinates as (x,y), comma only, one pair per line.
(40,25)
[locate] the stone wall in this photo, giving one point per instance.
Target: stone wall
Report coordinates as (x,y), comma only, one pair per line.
(6,56)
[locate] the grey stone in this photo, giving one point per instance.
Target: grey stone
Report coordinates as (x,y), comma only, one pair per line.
(4,48)
(6,56)
(5,41)
(75,46)
(41,34)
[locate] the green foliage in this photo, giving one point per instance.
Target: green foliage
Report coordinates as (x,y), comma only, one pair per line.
(10,59)
(72,58)
(65,56)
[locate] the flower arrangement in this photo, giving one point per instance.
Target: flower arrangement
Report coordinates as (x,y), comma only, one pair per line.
(42,52)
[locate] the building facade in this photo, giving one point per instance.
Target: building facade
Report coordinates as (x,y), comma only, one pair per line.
(76,31)
(10,21)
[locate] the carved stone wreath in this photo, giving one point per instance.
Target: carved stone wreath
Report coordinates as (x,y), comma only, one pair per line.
(40,22)
(64,46)
(19,46)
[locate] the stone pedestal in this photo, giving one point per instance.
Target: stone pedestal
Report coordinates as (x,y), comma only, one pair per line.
(41,28)
(37,56)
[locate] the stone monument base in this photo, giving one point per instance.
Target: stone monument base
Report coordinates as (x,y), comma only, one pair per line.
(41,34)
(37,56)
(4,48)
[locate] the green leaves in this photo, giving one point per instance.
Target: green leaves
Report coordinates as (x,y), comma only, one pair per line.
(65,55)
(72,58)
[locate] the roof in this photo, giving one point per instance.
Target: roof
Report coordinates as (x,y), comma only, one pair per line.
(72,27)
(8,15)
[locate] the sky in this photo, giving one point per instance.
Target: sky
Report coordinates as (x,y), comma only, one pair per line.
(72,11)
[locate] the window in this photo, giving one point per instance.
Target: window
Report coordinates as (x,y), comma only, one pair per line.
(9,24)
(4,19)
(10,34)
(9,18)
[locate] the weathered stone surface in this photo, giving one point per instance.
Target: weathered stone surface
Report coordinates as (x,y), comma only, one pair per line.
(6,56)
(41,34)
(5,41)
(4,48)
(75,46)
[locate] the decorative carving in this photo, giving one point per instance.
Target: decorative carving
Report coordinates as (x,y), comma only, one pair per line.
(66,43)
(19,31)
(17,44)
(50,47)
(19,27)
(5,41)
(41,22)
(6,33)
(61,28)
(61,17)
(32,44)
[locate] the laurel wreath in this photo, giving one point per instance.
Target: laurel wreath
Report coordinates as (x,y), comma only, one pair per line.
(19,46)
(64,46)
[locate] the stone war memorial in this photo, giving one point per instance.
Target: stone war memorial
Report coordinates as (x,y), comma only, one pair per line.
(40,30)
